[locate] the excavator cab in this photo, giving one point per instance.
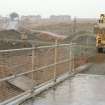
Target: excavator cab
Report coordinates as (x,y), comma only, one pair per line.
(99,30)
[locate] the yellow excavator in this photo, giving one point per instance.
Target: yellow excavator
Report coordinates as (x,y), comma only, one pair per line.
(99,30)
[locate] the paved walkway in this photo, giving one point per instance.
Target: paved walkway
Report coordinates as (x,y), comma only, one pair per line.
(83,89)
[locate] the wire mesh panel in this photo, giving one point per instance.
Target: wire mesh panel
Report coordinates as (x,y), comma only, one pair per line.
(62,59)
(24,69)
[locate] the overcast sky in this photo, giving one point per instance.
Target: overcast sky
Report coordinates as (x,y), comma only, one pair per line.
(78,8)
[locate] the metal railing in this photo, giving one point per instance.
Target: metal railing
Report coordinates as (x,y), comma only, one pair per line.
(40,64)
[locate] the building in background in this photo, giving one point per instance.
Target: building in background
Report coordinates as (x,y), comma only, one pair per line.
(60,17)
(31,18)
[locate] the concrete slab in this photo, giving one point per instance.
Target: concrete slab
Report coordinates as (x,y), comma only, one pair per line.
(83,89)
(23,82)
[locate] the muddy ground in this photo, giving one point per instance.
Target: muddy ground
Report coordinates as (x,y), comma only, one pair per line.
(98,66)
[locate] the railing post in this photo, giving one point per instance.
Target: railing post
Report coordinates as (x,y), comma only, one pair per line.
(55,60)
(33,63)
(70,57)
(73,61)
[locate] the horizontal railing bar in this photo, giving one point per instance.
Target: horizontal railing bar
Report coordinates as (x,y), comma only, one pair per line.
(7,78)
(41,47)
(31,41)
(32,48)
(44,67)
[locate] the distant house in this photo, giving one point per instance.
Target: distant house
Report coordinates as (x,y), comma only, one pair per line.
(60,17)
(86,19)
(12,25)
(3,19)
(31,17)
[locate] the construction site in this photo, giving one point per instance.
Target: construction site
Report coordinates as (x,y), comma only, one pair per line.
(32,59)
(58,60)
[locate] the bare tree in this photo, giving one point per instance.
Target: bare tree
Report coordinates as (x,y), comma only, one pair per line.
(13,16)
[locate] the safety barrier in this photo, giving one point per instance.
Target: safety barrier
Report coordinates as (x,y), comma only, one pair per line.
(38,66)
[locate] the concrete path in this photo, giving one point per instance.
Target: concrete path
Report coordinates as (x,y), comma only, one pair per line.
(83,89)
